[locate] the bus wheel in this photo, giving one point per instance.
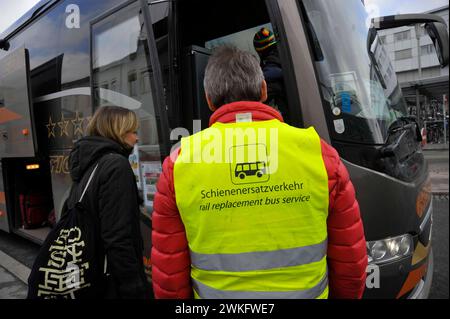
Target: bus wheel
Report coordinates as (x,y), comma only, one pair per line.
(241,175)
(259,174)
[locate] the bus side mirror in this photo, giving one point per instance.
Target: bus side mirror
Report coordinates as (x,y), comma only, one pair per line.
(434,24)
(4,44)
(439,35)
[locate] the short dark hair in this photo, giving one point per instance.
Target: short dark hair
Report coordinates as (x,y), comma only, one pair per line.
(233,75)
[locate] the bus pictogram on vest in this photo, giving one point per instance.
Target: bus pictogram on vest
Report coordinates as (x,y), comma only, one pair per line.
(250,169)
(249,164)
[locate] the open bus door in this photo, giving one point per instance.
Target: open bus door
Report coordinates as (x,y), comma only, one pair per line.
(17,133)
(126,45)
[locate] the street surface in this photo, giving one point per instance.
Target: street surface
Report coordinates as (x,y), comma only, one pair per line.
(439,287)
(16,259)
(10,286)
(438,160)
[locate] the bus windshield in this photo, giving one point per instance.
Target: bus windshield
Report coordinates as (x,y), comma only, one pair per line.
(357,79)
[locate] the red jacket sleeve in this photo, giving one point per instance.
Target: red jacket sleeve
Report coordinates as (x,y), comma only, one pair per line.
(347,254)
(171,265)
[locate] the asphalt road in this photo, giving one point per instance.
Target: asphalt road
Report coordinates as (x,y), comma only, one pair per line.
(440,238)
(438,163)
(10,286)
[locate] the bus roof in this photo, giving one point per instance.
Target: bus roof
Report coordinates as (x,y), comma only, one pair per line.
(31,15)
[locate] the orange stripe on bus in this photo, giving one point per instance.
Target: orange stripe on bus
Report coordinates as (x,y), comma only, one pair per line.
(420,254)
(413,279)
(2,198)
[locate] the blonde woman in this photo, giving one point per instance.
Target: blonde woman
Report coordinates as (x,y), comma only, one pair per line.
(112,197)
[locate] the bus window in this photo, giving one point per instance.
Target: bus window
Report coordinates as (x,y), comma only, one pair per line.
(122,75)
(242,39)
(119,49)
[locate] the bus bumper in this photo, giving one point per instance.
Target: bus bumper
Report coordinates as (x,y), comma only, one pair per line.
(422,290)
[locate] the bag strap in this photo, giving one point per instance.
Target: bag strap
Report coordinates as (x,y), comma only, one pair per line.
(87,185)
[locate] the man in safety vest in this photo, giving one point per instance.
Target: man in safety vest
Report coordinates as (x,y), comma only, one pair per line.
(251,207)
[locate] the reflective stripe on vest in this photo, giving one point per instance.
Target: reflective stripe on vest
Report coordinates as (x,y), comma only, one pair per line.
(260,260)
(206,292)
(253,198)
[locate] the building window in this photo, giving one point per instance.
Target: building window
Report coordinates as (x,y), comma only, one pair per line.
(427,49)
(145,82)
(132,84)
(383,55)
(383,39)
(389,72)
(403,54)
(422,32)
(401,36)
(114,85)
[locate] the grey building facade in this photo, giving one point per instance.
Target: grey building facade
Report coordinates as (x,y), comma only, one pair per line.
(424,83)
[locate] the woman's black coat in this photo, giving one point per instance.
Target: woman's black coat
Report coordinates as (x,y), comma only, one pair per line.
(113,197)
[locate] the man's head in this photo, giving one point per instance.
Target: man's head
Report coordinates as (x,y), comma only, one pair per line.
(264,41)
(233,75)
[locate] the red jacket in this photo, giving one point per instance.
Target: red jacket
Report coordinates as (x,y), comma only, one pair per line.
(347,256)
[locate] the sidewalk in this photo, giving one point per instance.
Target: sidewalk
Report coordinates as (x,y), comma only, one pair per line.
(13,277)
(439,184)
(10,286)
(17,256)
(436,147)
(437,156)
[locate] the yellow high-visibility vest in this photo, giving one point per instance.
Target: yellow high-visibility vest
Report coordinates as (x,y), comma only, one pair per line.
(253,197)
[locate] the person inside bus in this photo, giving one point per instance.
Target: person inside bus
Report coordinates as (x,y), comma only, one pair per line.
(218,236)
(113,197)
(266,46)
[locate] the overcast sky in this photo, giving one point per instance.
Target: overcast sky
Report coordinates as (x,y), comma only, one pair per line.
(10,10)
(391,7)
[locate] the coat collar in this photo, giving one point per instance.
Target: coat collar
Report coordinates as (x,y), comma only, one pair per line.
(260,112)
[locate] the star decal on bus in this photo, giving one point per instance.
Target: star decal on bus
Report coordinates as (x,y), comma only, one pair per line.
(51,128)
(78,125)
(63,126)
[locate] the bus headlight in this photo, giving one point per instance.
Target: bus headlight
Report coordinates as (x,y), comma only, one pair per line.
(385,250)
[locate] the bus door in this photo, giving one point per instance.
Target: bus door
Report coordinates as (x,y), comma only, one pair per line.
(17,134)
(125,72)
(198,34)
